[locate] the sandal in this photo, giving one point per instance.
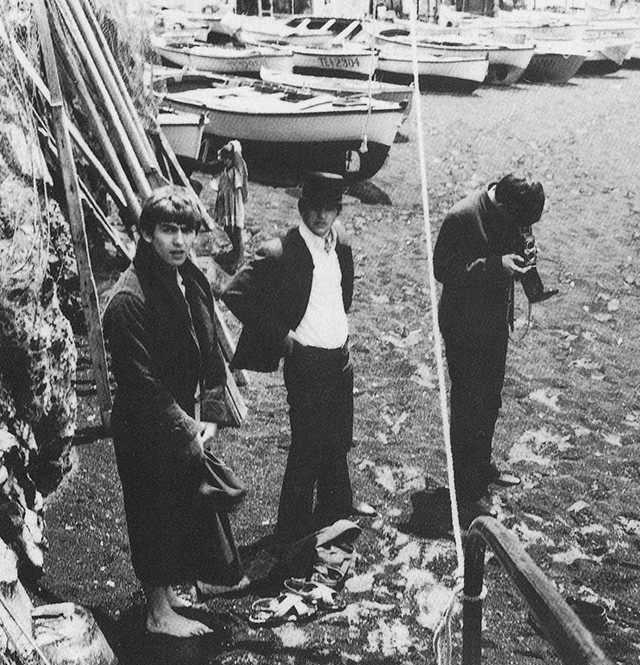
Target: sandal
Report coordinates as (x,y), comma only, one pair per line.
(323,597)
(286,608)
(329,576)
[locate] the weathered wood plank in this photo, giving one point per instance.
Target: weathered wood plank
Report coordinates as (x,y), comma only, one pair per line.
(76,218)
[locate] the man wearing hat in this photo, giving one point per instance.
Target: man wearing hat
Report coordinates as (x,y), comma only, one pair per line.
(476,260)
(293,301)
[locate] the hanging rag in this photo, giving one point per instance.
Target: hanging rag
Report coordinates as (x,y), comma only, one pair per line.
(232,187)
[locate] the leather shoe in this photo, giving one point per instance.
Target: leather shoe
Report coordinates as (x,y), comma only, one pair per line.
(503,478)
(362,509)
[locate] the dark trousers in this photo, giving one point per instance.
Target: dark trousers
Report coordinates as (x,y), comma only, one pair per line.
(319,386)
(476,369)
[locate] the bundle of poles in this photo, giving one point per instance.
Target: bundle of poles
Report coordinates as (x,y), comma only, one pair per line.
(133,163)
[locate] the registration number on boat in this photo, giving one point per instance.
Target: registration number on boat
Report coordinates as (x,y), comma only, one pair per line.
(339,62)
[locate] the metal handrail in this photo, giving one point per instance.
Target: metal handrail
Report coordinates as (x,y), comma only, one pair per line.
(558,622)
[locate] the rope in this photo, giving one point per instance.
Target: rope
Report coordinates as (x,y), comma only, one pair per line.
(442,634)
(364,146)
(433,296)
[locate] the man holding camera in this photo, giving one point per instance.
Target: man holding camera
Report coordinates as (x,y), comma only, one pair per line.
(477,257)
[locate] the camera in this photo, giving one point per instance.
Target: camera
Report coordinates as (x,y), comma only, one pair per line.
(531,281)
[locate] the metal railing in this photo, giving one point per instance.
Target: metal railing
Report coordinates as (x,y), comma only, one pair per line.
(558,622)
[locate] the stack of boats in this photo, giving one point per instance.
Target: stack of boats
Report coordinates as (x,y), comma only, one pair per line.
(334,90)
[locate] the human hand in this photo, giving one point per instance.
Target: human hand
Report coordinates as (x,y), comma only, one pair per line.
(207,434)
(512,264)
(289,341)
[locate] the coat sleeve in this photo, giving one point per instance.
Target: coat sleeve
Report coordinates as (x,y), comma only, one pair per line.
(460,257)
(252,295)
(174,430)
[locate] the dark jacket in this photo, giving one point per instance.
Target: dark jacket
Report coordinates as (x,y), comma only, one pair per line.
(477,294)
(271,294)
(161,351)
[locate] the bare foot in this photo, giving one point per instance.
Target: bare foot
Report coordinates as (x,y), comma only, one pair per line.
(162,618)
(177,601)
(176,625)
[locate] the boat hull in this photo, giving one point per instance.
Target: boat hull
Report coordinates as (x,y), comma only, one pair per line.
(328,137)
(446,75)
(286,161)
(232,62)
(184,132)
(553,67)
(340,86)
(605,58)
(344,63)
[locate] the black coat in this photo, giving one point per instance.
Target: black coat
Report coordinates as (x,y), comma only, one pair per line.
(477,294)
(270,297)
(161,350)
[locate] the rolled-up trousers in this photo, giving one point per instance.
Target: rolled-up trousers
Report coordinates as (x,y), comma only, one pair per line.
(319,386)
(476,370)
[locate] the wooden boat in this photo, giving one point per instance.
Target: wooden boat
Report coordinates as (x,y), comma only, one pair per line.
(555,62)
(348,60)
(184,132)
(507,62)
(227,59)
(304,31)
(606,56)
(436,73)
(286,133)
(339,86)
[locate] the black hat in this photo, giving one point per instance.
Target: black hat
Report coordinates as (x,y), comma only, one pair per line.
(322,187)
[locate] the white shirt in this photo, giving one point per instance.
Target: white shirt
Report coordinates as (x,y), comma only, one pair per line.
(324,323)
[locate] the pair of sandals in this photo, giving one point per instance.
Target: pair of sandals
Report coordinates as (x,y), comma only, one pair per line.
(301,602)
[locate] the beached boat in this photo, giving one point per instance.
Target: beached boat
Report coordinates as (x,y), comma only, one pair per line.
(606,56)
(339,86)
(349,60)
(227,59)
(307,31)
(436,73)
(184,132)
(286,133)
(555,61)
(507,62)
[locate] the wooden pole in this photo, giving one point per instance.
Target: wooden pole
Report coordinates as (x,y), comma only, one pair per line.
(88,197)
(115,190)
(117,75)
(137,173)
(96,120)
(76,218)
(138,140)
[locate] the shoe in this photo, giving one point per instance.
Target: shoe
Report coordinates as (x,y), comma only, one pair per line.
(503,478)
(362,509)
(469,510)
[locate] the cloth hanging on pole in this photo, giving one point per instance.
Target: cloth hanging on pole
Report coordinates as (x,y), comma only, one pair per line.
(232,187)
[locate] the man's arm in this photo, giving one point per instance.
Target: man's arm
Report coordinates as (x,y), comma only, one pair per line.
(460,256)
(252,293)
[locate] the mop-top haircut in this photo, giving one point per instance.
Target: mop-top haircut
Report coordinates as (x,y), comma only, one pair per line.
(171,204)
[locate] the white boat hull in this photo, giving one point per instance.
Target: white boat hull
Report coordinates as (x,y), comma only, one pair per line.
(223,60)
(339,86)
(435,73)
(282,139)
(507,62)
(336,61)
(184,132)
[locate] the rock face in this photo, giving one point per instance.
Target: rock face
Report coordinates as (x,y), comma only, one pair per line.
(37,348)
(37,368)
